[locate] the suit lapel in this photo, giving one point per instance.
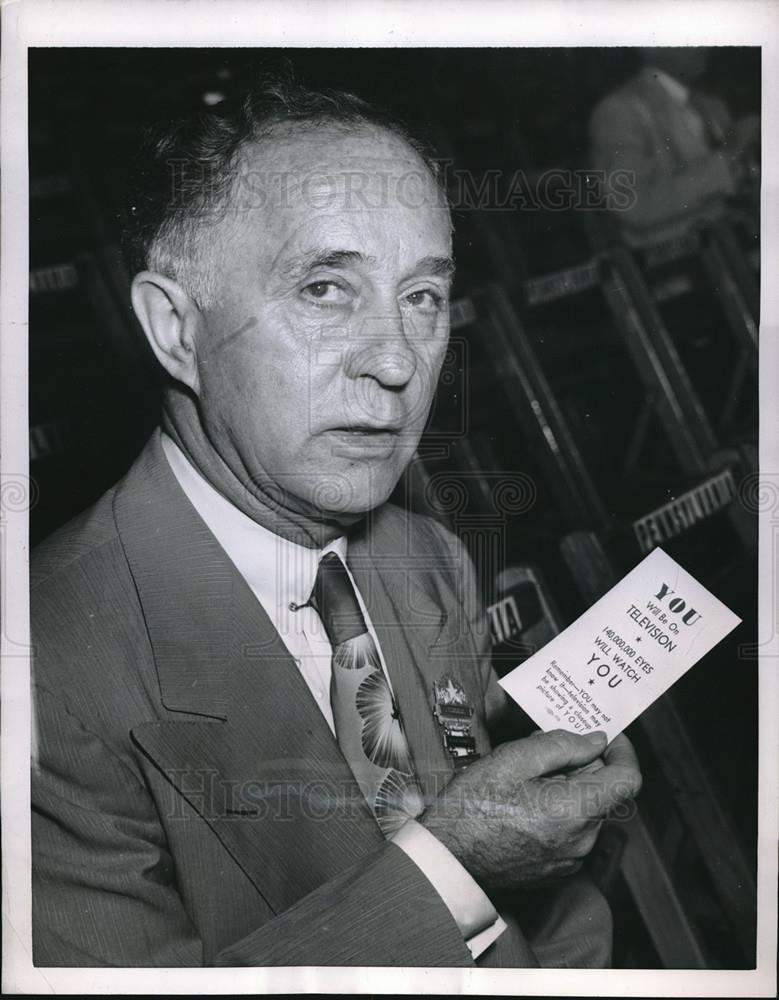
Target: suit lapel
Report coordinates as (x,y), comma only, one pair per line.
(273,787)
(242,738)
(253,753)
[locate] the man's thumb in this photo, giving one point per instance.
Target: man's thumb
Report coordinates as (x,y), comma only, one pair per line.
(547,753)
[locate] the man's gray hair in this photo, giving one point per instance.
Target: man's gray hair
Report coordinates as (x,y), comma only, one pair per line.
(187,169)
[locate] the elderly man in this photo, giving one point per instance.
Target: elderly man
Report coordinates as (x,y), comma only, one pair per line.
(263,693)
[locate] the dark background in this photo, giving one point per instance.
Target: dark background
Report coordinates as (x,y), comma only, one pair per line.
(488,109)
(94,388)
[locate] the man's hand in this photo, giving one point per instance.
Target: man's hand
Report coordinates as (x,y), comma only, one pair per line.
(522,815)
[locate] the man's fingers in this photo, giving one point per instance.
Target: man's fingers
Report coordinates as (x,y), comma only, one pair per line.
(587,840)
(558,750)
(594,765)
(617,781)
(621,758)
(620,752)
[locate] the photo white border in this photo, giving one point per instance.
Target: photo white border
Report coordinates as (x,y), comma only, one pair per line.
(349,23)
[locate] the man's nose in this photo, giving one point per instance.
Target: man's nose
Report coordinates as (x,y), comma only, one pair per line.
(382,351)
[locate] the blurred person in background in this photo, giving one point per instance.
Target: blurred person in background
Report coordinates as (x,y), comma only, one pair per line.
(684,155)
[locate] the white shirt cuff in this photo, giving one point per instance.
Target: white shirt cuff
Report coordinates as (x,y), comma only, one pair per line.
(472,911)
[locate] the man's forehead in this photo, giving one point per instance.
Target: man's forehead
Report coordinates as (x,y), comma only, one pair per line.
(299,144)
(332,167)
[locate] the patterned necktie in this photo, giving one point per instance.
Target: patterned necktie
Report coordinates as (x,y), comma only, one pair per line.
(367,722)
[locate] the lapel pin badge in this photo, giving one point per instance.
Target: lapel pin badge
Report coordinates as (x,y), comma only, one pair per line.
(454,715)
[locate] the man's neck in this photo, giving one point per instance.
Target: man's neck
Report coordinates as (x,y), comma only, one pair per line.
(263,503)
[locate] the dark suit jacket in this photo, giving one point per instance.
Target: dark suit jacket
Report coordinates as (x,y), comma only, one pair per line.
(678,178)
(191,806)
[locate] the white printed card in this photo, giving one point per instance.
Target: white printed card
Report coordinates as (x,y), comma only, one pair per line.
(623,653)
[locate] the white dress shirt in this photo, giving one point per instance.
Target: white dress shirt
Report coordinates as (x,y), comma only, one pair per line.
(281,575)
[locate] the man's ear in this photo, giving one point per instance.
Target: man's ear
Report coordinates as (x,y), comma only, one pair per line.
(170,320)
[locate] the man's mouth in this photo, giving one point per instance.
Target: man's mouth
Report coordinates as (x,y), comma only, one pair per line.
(368,429)
(373,440)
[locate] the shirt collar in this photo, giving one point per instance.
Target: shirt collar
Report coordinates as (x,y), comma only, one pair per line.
(279,572)
(675,88)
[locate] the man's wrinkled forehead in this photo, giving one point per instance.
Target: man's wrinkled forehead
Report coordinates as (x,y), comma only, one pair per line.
(331,167)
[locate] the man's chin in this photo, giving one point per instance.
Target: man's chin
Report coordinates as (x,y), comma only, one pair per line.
(348,494)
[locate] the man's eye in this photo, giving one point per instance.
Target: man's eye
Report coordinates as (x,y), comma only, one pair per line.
(426,299)
(326,292)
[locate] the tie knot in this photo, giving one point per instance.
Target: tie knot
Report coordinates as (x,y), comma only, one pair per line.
(335,601)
